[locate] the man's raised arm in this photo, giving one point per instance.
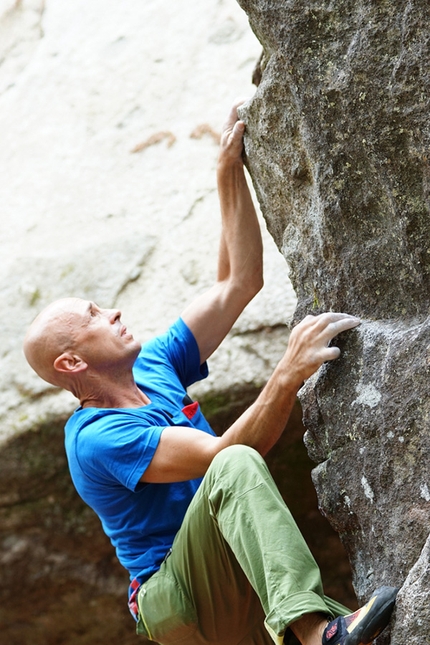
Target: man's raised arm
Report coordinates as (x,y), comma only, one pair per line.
(240,263)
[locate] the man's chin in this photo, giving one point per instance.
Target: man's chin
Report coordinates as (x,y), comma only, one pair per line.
(137,347)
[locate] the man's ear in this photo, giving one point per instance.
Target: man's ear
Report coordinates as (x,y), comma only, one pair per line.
(68,363)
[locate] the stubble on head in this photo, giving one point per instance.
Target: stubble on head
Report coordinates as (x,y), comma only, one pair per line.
(52,333)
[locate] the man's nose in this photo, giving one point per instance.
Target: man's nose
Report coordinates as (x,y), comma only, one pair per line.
(113,315)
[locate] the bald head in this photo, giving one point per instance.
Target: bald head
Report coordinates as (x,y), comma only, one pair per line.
(51,334)
(76,345)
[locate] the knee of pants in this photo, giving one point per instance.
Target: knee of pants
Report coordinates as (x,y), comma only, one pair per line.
(237,453)
(236,461)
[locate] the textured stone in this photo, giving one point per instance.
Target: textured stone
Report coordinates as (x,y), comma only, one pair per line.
(413,603)
(349,144)
(337,147)
(367,422)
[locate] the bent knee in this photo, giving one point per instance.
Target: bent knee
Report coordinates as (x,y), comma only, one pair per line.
(235,457)
(237,468)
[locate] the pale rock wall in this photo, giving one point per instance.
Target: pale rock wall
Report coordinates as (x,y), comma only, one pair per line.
(110,114)
(82,85)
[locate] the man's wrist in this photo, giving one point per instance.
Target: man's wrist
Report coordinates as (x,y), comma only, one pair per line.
(288,377)
(227,164)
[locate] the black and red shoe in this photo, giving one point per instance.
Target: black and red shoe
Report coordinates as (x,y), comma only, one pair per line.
(365,624)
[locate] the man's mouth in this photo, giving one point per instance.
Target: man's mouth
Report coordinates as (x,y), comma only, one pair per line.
(123,331)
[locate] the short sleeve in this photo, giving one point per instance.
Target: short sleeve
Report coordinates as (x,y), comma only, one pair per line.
(176,348)
(185,353)
(118,448)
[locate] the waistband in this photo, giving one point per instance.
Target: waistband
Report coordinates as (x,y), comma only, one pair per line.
(133,590)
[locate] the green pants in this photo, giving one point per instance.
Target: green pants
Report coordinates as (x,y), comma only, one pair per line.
(240,571)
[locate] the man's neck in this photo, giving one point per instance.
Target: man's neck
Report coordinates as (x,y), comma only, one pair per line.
(115,395)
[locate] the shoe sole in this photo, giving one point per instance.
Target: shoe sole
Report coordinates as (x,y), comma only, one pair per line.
(376,620)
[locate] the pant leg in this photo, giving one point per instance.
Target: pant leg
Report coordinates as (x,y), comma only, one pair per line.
(238,559)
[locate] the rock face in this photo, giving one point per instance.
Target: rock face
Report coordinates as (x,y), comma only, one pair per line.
(413,602)
(337,147)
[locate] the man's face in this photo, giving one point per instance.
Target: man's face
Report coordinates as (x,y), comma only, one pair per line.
(100,338)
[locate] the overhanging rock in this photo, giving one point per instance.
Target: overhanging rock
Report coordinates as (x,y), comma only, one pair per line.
(337,147)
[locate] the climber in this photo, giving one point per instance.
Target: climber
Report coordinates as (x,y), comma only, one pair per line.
(213,553)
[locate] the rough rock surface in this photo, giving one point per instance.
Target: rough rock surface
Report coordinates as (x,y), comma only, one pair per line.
(337,148)
(413,602)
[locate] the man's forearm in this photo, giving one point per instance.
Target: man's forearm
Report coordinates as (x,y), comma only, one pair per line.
(241,250)
(240,267)
(262,424)
(185,453)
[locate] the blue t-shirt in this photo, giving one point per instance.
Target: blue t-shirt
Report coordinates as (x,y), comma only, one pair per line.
(109,449)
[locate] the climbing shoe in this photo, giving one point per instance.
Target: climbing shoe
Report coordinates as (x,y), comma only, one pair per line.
(364,625)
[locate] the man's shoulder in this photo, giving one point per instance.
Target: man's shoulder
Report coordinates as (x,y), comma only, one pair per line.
(83,417)
(174,354)
(94,420)
(177,333)
(92,432)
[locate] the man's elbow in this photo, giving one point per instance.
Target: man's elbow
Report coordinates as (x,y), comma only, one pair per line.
(250,286)
(255,282)
(259,284)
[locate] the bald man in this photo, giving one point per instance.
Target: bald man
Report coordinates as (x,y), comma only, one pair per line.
(213,553)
